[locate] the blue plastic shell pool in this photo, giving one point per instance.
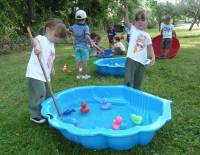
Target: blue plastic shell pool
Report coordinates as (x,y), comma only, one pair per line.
(113,66)
(94,129)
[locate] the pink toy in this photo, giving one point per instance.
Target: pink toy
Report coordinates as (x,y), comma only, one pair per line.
(116,123)
(84,108)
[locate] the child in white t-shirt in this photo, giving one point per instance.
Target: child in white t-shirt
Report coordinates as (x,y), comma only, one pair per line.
(43,46)
(139,43)
(118,46)
(167,31)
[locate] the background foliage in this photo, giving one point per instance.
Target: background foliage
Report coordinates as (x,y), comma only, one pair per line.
(16,15)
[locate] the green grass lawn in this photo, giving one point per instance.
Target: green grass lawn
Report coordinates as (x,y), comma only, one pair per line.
(177,79)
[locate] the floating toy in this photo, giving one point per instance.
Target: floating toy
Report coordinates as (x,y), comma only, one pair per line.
(116,123)
(105,104)
(69,111)
(84,108)
(137,119)
(95,130)
(173,51)
(66,69)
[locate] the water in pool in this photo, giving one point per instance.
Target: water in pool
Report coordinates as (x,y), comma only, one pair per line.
(115,63)
(97,117)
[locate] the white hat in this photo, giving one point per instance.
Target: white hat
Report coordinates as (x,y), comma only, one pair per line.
(80,14)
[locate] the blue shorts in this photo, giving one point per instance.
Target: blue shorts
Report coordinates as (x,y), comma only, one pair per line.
(166,43)
(81,54)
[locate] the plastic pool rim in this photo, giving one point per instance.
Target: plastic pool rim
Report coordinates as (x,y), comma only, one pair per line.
(58,124)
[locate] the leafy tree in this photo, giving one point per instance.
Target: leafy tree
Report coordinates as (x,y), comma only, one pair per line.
(159,10)
(192,10)
(18,14)
(11,18)
(11,22)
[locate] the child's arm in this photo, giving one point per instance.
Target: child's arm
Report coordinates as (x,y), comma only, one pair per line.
(126,20)
(174,33)
(36,46)
(114,32)
(92,43)
(161,31)
(68,32)
(161,28)
(150,48)
(90,40)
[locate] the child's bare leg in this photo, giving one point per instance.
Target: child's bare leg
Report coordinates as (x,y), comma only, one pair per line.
(85,68)
(77,68)
(85,71)
(162,52)
(166,52)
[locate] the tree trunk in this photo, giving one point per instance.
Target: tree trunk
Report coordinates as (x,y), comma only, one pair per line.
(30,11)
(159,25)
(191,26)
(195,20)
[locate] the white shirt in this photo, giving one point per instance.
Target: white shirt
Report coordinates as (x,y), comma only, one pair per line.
(47,57)
(120,45)
(137,49)
(167,30)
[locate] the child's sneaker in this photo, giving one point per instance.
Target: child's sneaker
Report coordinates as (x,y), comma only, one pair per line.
(38,120)
(79,77)
(86,76)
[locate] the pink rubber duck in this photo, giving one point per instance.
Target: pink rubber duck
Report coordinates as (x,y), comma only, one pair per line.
(116,123)
(84,108)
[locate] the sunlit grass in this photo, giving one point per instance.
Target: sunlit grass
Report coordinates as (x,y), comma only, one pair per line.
(177,79)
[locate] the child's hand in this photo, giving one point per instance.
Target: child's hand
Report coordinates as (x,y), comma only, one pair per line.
(36,46)
(93,44)
(68,32)
(37,50)
(100,51)
(152,62)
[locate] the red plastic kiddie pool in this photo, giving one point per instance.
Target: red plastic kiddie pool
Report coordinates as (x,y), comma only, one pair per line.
(174,49)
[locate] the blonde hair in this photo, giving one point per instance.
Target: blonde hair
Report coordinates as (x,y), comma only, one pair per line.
(57,25)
